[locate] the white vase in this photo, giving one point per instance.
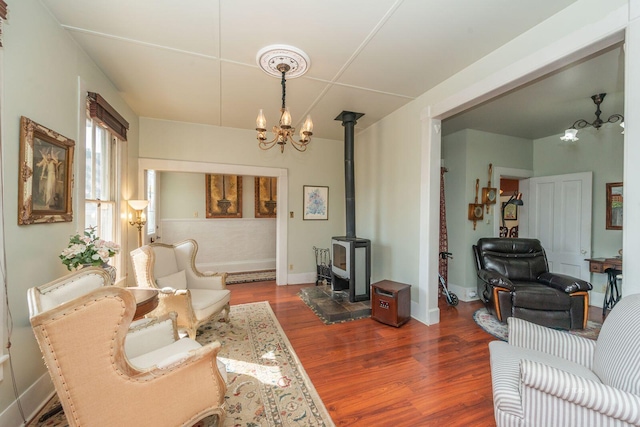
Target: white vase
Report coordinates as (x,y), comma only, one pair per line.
(110,269)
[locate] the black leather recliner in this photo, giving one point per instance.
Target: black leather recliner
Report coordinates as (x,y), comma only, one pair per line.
(514,280)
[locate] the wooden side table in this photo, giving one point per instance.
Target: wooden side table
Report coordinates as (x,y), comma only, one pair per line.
(391,302)
(146,300)
(612,267)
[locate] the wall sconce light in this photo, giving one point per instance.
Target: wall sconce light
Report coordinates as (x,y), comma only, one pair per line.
(571,133)
(140,218)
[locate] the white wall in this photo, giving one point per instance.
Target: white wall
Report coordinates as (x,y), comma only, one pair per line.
(322,164)
(42,68)
(602,152)
(467,155)
(409,141)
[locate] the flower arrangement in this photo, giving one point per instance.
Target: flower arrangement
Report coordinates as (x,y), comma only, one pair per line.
(88,249)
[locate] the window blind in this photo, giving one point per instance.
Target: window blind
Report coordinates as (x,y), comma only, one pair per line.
(106,115)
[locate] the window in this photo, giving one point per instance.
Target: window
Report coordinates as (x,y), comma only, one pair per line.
(152,207)
(102,184)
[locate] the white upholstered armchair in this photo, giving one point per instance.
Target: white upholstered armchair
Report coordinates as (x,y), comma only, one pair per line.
(108,373)
(545,377)
(195,296)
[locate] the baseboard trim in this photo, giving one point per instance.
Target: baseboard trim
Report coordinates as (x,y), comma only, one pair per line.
(301,278)
(31,401)
(463,292)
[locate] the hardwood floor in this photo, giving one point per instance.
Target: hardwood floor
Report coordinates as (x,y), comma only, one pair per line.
(371,374)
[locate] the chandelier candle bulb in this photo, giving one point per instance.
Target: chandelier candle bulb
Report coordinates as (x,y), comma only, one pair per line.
(261,122)
(285,120)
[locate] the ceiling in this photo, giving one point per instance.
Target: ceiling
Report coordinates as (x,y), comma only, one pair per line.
(195,60)
(551,104)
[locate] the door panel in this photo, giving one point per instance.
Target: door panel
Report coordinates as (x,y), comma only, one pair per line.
(560,217)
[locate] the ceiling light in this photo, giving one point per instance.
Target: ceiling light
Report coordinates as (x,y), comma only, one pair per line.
(281,61)
(571,133)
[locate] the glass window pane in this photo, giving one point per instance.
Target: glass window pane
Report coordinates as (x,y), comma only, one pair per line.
(88,184)
(90,214)
(151,197)
(107,221)
(99,155)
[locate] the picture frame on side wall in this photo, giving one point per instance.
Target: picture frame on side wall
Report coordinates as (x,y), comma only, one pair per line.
(46,175)
(266,196)
(614,206)
(510,211)
(315,201)
(223,196)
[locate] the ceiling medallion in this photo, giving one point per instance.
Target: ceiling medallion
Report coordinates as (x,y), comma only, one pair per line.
(283,61)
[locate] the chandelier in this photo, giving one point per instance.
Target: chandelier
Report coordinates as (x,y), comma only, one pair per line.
(280,61)
(571,133)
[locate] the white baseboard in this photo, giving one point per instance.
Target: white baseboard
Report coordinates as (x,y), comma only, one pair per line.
(31,401)
(596,299)
(463,293)
(301,278)
(239,266)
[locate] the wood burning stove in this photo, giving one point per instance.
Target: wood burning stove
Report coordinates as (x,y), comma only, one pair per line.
(351,268)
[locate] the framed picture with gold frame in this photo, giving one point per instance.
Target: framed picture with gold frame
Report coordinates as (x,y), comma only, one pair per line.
(46,172)
(224,196)
(266,197)
(614,206)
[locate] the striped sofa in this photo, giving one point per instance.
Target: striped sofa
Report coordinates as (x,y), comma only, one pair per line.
(546,377)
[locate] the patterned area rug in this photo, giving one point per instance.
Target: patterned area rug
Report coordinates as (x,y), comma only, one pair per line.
(266,383)
(251,276)
(492,326)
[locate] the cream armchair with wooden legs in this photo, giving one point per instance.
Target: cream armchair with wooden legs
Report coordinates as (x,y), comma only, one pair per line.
(195,296)
(108,373)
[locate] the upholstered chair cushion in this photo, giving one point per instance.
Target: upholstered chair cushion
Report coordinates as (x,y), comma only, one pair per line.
(53,296)
(617,356)
(82,342)
(544,377)
(176,280)
(195,296)
(207,302)
(165,261)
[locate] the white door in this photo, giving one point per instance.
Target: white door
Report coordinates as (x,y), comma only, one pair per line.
(559,210)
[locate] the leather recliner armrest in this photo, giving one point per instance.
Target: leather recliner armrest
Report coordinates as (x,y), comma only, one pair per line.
(495,279)
(562,282)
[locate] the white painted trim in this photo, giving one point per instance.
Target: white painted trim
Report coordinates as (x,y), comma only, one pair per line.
(220,168)
(31,401)
(585,41)
(577,45)
(462,292)
(429,219)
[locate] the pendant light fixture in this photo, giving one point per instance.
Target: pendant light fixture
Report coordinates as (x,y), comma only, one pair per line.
(571,133)
(283,61)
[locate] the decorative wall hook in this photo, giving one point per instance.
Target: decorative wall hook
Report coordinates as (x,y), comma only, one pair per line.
(476,210)
(489,194)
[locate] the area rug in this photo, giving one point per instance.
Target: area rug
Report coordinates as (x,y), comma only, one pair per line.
(251,276)
(266,383)
(491,325)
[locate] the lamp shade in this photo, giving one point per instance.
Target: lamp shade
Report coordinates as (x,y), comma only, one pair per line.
(138,205)
(570,135)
